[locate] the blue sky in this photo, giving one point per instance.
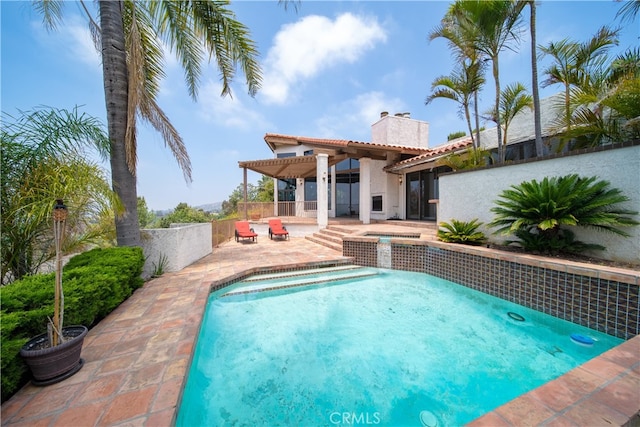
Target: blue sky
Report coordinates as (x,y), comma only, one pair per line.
(329,69)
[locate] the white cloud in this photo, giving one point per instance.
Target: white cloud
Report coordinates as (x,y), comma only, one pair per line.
(73,41)
(229,112)
(303,49)
(353,118)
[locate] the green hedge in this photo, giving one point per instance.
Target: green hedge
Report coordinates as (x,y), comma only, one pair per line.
(95,282)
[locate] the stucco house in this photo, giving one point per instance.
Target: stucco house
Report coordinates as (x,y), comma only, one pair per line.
(394,176)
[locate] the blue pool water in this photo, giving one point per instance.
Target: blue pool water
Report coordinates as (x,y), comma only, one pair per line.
(393,348)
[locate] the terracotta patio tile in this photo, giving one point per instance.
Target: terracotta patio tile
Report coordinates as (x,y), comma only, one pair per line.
(185,347)
(117,363)
(567,389)
(154,355)
(560,421)
(81,415)
(96,352)
(13,405)
(140,378)
(622,395)
(492,419)
(160,419)
(603,368)
(32,422)
(167,396)
(129,405)
(166,337)
(626,354)
(47,400)
(525,411)
(177,368)
(592,413)
(100,388)
(133,345)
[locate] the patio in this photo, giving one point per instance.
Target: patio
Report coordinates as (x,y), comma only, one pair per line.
(137,358)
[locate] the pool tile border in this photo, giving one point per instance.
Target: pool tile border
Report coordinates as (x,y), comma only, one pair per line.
(598,297)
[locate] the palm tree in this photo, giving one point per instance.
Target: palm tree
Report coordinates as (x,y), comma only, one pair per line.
(629,11)
(535,91)
(461,43)
(513,99)
(459,86)
(606,108)
(492,25)
(43,159)
(132,57)
(574,63)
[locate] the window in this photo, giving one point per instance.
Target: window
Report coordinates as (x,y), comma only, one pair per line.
(310,190)
(376,203)
(283,155)
(308,153)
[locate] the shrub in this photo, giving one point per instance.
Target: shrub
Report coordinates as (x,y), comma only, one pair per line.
(95,282)
(538,213)
(461,232)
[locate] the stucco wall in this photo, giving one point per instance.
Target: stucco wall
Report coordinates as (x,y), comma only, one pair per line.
(181,245)
(468,195)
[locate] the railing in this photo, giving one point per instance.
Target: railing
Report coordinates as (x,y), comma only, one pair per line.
(222,231)
(256,210)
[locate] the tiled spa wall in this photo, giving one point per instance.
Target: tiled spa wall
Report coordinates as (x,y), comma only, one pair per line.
(600,300)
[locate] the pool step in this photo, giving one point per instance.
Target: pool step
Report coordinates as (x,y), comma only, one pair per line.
(297,273)
(292,280)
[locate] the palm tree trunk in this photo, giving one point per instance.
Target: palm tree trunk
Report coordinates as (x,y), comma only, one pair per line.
(114,65)
(501,148)
(475,107)
(534,81)
(467,116)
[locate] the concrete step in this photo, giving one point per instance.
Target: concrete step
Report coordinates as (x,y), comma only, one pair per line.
(321,240)
(338,229)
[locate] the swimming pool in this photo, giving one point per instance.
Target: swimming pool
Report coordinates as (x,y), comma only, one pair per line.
(381,347)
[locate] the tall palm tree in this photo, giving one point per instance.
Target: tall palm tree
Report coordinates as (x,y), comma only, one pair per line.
(132,57)
(461,44)
(493,25)
(535,90)
(459,86)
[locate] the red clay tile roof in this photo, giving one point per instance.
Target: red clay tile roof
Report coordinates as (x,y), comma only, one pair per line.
(343,143)
(432,153)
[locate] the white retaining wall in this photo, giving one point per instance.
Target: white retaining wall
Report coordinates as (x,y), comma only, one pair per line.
(469,195)
(181,245)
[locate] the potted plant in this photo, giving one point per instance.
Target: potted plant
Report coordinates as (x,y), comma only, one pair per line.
(55,355)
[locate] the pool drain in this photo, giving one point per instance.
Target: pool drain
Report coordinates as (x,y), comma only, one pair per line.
(515,316)
(428,419)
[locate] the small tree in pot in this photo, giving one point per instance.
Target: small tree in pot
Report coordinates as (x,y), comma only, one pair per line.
(55,355)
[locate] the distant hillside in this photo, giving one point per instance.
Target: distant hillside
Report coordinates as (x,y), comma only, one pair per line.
(211,207)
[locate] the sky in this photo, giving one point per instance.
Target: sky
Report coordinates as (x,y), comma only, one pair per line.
(329,69)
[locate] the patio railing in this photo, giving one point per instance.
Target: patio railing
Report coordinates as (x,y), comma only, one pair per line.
(222,231)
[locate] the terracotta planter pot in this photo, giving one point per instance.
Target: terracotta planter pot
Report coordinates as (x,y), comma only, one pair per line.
(50,365)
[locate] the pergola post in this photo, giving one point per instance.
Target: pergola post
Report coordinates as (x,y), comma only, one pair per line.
(322,169)
(365,190)
(246,216)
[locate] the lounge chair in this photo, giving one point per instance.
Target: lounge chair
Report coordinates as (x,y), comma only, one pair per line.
(277,229)
(244,231)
